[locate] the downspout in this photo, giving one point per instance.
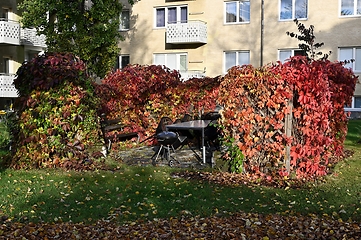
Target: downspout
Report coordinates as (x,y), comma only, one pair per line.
(262,32)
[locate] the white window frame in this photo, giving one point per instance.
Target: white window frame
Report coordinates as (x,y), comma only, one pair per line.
(238,3)
(167,57)
(124,25)
(352,108)
(291,51)
(166,22)
(354,9)
(120,60)
(293,11)
(236,63)
(355,55)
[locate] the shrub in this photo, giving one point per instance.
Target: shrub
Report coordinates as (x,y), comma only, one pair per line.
(257,102)
(253,115)
(57,119)
(141,95)
(233,155)
(321,89)
(4,136)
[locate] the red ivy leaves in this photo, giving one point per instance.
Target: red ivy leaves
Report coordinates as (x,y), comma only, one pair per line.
(141,95)
(318,110)
(56,107)
(47,71)
(255,103)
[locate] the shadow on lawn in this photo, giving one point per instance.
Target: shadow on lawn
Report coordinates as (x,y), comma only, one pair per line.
(5,159)
(354,131)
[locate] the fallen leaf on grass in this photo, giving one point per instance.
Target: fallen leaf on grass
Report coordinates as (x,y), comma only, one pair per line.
(236,226)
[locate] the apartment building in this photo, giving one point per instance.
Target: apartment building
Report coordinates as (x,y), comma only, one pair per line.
(207,37)
(204,37)
(16,46)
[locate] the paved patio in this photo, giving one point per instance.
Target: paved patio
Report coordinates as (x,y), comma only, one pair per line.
(184,157)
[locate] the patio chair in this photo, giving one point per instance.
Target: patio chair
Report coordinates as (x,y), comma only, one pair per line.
(211,116)
(160,128)
(186,118)
(189,134)
(186,137)
(211,132)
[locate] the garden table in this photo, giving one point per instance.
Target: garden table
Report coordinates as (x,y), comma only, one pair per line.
(192,125)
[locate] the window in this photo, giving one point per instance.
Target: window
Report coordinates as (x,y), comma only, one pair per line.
(124,20)
(5,14)
(291,9)
(284,55)
(356,102)
(6,65)
(349,54)
(235,58)
(170,15)
(350,7)
(122,61)
(237,11)
(177,61)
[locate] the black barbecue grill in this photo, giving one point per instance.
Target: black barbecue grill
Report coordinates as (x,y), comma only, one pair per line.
(166,140)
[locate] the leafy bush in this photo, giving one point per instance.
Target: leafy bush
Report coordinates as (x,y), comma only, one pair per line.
(253,115)
(321,89)
(6,125)
(256,104)
(4,136)
(141,95)
(233,155)
(57,119)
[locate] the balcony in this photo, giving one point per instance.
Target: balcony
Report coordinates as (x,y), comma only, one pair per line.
(29,37)
(12,33)
(186,75)
(185,33)
(7,88)
(9,32)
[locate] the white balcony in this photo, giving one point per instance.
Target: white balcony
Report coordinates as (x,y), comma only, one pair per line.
(9,32)
(190,32)
(12,33)
(29,37)
(186,75)
(7,88)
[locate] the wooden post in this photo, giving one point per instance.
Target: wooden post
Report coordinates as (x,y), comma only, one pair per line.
(288,132)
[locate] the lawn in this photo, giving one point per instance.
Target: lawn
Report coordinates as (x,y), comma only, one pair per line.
(130,193)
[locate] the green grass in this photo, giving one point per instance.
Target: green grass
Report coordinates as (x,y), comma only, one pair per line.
(150,192)
(353,134)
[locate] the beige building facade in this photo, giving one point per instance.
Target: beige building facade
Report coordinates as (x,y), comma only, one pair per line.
(206,37)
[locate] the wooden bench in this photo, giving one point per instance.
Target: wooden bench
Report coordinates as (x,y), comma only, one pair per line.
(110,125)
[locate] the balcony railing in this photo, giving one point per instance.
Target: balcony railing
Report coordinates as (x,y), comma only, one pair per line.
(9,32)
(190,32)
(7,88)
(12,33)
(186,75)
(28,37)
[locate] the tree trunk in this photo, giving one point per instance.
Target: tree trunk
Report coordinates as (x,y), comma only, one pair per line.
(288,132)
